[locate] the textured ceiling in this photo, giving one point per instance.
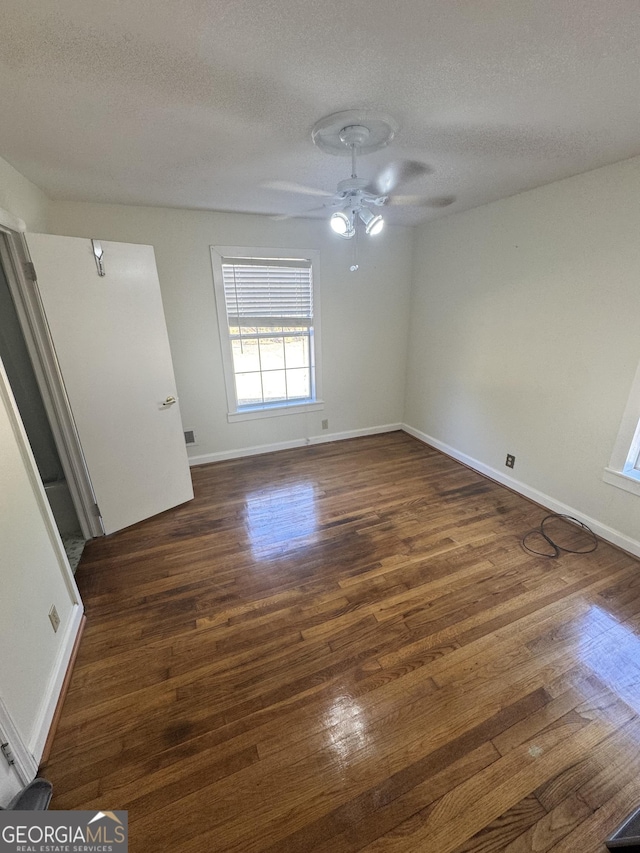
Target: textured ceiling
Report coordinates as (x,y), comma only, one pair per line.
(200,103)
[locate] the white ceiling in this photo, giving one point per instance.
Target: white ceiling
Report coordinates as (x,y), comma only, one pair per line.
(200,103)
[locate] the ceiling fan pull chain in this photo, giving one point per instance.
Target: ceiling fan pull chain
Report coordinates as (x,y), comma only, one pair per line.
(355,266)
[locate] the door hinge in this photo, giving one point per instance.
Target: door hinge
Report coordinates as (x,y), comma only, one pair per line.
(29,271)
(6,751)
(96,510)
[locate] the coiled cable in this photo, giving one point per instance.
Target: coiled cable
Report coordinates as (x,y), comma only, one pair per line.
(557,549)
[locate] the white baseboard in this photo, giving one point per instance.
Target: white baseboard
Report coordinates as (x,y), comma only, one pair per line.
(615,537)
(52,693)
(206,458)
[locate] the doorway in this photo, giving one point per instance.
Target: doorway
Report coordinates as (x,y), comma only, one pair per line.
(18,364)
(20,358)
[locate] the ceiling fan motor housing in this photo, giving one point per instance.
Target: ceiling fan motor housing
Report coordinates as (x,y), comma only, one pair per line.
(352,185)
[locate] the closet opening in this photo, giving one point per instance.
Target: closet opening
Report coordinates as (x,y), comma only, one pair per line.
(31,384)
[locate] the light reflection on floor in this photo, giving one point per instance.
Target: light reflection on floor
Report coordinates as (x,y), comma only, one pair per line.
(346,727)
(278,517)
(614,657)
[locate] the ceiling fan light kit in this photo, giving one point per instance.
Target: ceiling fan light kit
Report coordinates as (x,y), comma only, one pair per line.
(344,223)
(351,133)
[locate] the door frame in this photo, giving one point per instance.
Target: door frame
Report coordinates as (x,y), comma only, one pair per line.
(25,750)
(24,763)
(16,260)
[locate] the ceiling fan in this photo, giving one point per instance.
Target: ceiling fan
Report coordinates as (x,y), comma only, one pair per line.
(358,200)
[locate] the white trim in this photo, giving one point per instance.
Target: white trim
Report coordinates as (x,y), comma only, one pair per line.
(56,680)
(622,480)
(602,530)
(25,764)
(223,455)
(275,411)
(54,395)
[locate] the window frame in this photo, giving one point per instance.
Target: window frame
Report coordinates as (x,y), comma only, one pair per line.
(266,410)
(623,470)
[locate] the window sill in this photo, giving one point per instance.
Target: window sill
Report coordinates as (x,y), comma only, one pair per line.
(275,411)
(623,480)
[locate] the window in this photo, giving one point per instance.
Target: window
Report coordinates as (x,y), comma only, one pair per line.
(268,319)
(624,468)
(632,463)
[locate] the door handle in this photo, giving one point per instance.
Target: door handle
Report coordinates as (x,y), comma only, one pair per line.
(169,401)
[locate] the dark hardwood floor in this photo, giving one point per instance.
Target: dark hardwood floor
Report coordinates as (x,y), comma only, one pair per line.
(344,648)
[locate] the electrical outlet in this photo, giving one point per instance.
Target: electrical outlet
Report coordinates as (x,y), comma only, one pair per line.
(511,461)
(325,424)
(54,618)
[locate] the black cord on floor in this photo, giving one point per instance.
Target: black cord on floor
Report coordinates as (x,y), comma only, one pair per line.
(553,545)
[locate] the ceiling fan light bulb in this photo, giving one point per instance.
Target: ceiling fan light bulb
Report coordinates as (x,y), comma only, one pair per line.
(340,222)
(373,222)
(375,226)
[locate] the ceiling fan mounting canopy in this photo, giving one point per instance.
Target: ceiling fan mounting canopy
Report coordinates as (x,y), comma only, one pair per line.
(367,130)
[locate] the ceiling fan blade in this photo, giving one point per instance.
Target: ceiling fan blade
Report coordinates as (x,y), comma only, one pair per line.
(397,173)
(421,201)
(279,217)
(292,187)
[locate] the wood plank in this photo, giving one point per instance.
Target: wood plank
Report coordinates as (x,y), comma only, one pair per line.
(497,835)
(552,827)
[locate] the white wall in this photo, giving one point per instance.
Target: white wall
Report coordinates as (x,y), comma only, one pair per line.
(33,573)
(22,198)
(364,315)
(32,580)
(524,336)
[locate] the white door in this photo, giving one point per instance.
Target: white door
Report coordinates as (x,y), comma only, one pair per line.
(111,344)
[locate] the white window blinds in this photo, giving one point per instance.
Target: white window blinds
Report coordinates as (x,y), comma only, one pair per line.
(264,292)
